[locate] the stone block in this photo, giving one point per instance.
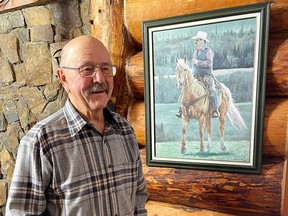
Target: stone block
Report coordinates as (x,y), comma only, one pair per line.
(34,98)
(16,19)
(7,164)
(20,74)
(3,192)
(32,95)
(6,72)
(14,134)
(37,16)
(3,122)
(9,47)
(53,48)
(71,18)
(22,34)
(43,33)
(37,61)
(10,111)
(5,24)
(3,142)
(27,119)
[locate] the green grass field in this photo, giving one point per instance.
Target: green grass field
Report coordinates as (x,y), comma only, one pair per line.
(169,135)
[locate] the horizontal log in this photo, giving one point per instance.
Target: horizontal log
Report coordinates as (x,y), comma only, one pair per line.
(138,11)
(275,125)
(135,73)
(9,5)
(277,73)
(169,209)
(239,194)
(277,65)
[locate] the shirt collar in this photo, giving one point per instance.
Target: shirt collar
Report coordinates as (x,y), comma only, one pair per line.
(75,121)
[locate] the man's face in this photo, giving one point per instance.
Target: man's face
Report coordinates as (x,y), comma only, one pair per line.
(199,42)
(88,93)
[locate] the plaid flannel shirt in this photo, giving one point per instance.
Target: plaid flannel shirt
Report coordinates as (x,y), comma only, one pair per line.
(65,166)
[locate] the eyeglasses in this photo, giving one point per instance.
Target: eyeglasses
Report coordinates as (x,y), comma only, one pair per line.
(90,70)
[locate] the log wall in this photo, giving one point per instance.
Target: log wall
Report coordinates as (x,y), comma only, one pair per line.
(121,29)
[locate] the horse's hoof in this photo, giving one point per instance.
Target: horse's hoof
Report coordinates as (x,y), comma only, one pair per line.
(207,149)
(224,148)
(183,151)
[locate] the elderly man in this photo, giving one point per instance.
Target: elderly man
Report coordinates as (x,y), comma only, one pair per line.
(84,159)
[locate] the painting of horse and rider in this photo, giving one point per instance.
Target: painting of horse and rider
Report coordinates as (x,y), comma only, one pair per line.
(203,92)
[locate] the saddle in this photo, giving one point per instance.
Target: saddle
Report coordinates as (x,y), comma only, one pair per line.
(201,79)
(218,87)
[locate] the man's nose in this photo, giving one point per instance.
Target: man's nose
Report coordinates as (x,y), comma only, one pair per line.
(98,77)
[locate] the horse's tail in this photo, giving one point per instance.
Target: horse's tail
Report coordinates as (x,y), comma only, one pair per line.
(234,114)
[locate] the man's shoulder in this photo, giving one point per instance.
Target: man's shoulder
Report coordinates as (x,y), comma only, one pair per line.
(50,123)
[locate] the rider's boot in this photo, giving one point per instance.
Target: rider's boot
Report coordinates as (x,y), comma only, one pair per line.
(179,114)
(215,113)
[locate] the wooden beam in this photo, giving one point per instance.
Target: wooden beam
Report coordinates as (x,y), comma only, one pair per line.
(239,194)
(138,11)
(10,5)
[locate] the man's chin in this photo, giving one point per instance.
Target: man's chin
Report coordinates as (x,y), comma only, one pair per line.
(97,105)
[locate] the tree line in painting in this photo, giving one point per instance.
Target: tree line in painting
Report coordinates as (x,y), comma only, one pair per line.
(233,51)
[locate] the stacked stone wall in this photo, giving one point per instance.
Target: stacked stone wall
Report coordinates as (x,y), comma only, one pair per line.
(29,88)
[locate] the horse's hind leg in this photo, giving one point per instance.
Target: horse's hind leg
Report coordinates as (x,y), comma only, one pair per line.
(209,132)
(222,128)
(184,129)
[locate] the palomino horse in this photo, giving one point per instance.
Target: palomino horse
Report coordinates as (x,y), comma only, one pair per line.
(195,104)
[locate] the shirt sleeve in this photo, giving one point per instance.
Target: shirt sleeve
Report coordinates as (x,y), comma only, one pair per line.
(30,179)
(142,194)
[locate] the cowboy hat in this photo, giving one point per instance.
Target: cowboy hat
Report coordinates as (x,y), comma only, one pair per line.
(202,35)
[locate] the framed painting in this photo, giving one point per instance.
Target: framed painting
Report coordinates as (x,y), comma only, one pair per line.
(205,77)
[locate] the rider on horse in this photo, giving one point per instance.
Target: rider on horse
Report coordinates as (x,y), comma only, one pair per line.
(202,62)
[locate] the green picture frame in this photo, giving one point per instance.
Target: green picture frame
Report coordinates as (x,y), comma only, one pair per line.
(238,38)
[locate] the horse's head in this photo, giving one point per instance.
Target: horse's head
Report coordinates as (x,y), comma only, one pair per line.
(182,69)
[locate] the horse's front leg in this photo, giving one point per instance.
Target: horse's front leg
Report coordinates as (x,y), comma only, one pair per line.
(185,122)
(201,130)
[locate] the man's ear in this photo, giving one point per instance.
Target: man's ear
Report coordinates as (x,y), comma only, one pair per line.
(62,78)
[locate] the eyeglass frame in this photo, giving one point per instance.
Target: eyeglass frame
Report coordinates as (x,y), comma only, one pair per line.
(114,69)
